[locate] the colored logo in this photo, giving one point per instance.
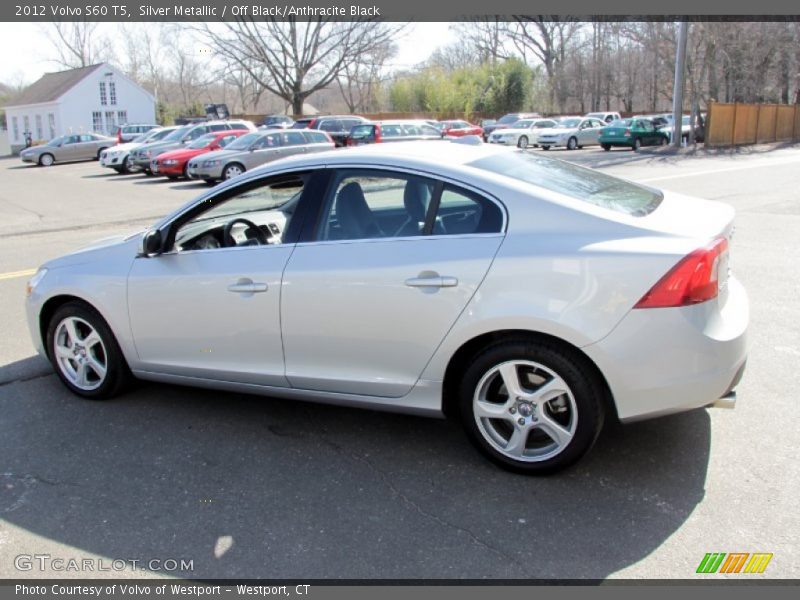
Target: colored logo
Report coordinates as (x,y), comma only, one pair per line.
(734,562)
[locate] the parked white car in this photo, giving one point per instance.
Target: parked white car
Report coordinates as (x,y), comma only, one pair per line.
(572,133)
(529,298)
(606,117)
(118,157)
(522,134)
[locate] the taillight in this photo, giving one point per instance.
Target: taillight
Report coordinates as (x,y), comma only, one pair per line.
(377,134)
(693,280)
(119,136)
(627,133)
(311,124)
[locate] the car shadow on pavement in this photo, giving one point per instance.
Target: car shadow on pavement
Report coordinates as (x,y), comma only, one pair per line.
(191,185)
(254,487)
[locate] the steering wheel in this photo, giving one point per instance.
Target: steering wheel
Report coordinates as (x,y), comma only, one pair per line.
(228,240)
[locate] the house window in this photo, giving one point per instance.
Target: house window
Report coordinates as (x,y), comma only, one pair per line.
(51,121)
(112,92)
(26,125)
(111,124)
(103,97)
(97,122)
(122,117)
(39,132)
(15,128)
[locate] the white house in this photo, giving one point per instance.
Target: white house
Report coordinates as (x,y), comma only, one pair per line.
(97,98)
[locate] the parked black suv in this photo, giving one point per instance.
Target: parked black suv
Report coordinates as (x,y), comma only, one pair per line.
(336,126)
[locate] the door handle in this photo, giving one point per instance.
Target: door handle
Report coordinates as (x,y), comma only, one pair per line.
(435,281)
(247,286)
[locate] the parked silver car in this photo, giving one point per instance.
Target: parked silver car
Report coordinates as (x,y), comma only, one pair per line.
(571,133)
(254,149)
(525,296)
(78,146)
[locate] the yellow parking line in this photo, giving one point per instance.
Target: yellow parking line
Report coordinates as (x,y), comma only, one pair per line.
(15,274)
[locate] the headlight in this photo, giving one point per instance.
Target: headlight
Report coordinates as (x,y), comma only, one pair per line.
(170,161)
(211,163)
(35,280)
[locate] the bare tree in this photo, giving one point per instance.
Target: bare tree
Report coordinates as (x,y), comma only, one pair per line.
(486,39)
(78,44)
(549,41)
(297,58)
(359,81)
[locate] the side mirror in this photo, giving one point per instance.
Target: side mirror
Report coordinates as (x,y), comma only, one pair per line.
(151,243)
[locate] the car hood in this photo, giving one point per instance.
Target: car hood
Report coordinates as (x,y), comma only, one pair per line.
(159,147)
(181,153)
(557,131)
(222,154)
(98,250)
(37,150)
(125,147)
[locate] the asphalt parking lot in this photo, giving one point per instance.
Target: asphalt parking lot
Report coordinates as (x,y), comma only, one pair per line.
(259,488)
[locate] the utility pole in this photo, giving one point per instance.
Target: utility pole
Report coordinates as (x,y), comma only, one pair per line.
(677,90)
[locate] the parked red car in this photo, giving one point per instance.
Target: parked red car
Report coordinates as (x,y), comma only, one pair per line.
(173,164)
(456,128)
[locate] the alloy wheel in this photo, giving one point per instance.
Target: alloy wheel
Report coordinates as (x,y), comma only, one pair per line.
(80,353)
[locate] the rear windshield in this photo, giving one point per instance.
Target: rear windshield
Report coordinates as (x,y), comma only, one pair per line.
(574,181)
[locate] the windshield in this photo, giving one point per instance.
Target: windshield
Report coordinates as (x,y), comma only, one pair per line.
(569,123)
(203,141)
(621,123)
(244,142)
(56,141)
(509,119)
(524,124)
(176,135)
(573,181)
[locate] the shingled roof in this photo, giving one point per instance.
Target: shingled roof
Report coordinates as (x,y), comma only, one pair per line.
(51,86)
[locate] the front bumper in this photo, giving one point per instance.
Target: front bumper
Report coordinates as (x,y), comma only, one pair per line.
(667,360)
(29,159)
(201,172)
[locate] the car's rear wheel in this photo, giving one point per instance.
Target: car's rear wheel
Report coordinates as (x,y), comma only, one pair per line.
(85,353)
(572,143)
(522,142)
(232,170)
(606,147)
(531,407)
(46,160)
(545,147)
(662,141)
(637,143)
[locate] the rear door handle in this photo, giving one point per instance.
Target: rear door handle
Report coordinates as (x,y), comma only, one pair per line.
(436,281)
(247,286)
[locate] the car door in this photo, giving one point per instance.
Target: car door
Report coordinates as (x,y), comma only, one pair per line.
(266,149)
(370,295)
(292,143)
(70,149)
(589,132)
(205,310)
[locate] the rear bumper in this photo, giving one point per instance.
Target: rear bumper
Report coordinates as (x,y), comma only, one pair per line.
(669,360)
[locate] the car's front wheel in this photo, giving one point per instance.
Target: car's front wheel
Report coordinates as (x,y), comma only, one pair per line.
(522,142)
(531,407)
(46,160)
(85,353)
(232,170)
(572,143)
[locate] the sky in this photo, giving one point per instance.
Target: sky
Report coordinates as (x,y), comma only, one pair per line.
(26,49)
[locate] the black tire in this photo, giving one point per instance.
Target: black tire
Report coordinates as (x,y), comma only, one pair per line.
(125,166)
(545,147)
(46,159)
(584,403)
(148,172)
(118,170)
(572,143)
(637,143)
(606,147)
(98,153)
(117,376)
(172,177)
(209,181)
(522,142)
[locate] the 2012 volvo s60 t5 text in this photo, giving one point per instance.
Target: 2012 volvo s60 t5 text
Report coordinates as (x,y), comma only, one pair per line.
(528,297)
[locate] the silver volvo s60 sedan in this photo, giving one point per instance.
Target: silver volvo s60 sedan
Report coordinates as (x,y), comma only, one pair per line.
(525,296)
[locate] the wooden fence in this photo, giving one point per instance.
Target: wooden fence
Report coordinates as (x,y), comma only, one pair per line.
(738,124)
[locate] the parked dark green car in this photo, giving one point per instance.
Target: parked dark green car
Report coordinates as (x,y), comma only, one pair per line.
(633,133)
